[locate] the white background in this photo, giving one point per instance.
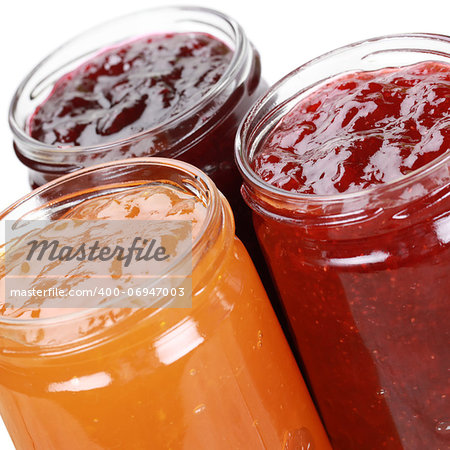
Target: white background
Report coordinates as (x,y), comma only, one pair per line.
(286,33)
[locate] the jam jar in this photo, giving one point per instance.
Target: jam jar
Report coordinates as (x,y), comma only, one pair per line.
(216,373)
(170,81)
(346,168)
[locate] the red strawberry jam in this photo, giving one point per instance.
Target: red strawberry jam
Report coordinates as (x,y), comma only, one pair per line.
(129,89)
(360,130)
(365,278)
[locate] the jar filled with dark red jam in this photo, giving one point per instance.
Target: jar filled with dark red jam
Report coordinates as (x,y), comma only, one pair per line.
(346,167)
(170,81)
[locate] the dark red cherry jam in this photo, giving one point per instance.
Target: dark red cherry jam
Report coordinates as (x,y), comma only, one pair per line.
(362,259)
(360,130)
(129,89)
(177,95)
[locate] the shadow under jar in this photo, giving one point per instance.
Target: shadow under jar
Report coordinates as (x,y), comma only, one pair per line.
(218,374)
(202,76)
(346,168)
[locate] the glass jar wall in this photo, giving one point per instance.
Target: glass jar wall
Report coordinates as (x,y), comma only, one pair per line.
(217,375)
(364,276)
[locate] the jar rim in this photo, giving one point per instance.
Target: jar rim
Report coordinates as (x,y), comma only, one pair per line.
(214,213)
(239,57)
(243,156)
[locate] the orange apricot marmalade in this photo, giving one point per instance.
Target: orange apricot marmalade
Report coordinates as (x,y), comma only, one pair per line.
(218,375)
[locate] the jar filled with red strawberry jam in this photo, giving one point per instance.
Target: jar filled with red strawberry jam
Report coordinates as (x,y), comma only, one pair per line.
(346,167)
(172,82)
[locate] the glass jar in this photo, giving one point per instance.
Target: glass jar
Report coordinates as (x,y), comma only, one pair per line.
(217,375)
(203,135)
(364,276)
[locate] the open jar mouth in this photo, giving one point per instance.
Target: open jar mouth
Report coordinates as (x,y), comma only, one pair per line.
(377,53)
(37,85)
(53,199)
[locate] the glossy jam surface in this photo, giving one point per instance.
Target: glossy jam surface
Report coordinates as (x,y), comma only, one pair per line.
(129,89)
(218,375)
(367,293)
(360,130)
(154,202)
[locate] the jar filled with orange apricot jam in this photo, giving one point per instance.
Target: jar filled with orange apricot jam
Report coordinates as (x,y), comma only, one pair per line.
(346,165)
(143,371)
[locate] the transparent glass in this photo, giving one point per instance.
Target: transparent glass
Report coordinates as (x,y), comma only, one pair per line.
(203,135)
(218,375)
(364,277)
